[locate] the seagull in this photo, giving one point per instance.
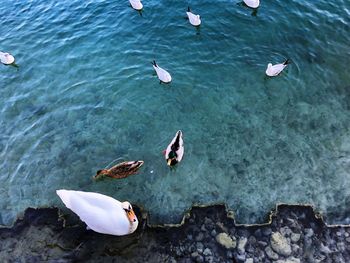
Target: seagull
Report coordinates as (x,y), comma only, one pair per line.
(252,3)
(274,70)
(162,74)
(6,58)
(195,20)
(136,4)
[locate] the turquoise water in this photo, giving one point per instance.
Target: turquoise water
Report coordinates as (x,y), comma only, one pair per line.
(85,94)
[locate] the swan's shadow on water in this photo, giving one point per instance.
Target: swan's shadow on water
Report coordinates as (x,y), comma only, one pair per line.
(12,65)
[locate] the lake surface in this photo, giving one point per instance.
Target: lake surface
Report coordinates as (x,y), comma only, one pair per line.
(85,94)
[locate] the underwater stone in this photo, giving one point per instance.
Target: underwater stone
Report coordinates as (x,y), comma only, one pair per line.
(295,237)
(241,244)
(280,244)
(226,241)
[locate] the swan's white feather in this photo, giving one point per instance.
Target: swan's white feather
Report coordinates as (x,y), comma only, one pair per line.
(101,213)
(252,3)
(136,4)
(274,70)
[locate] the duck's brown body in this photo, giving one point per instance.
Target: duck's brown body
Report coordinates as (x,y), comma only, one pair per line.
(120,170)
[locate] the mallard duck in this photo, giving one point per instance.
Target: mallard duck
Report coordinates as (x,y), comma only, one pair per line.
(162,74)
(136,4)
(274,70)
(252,3)
(101,213)
(120,170)
(195,20)
(6,58)
(175,150)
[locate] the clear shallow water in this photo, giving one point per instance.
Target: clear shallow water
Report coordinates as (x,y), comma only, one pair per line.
(85,94)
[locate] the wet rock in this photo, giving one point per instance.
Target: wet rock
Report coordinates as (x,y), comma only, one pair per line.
(325,249)
(285,231)
(213,233)
(241,257)
(226,241)
(267,231)
(207,252)
(288,260)
(270,253)
(309,232)
(200,247)
(241,245)
(347,239)
(199,237)
(280,244)
(295,237)
(341,246)
(249,260)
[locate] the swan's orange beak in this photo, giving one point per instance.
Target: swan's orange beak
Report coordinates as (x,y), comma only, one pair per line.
(131,215)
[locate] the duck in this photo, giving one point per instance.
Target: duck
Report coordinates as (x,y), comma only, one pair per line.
(101,213)
(6,58)
(175,150)
(162,74)
(136,4)
(252,3)
(195,20)
(120,170)
(274,70)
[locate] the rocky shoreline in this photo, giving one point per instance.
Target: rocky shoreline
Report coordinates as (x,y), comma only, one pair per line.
(294,234)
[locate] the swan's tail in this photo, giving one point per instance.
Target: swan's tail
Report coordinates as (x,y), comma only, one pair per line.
(154,63)
(288,61)
(65,197)
(188,9)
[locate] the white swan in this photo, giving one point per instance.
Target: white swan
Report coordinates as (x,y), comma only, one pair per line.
(162,74)
(175,150)
(6,58)
(195,20)
(274,70)
(252,3)
(101,213)
(136,4)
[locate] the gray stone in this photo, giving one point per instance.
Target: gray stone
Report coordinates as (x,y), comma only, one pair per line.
(295,237)
(280,244)
(295,248)
(347,239)
(241,244)
(200,247)
(285,231)
(325,249)
(194,254)
(200,236)
(207,252)
(262,243)
(288,260)
(240,257)
(309,232)
(199,259)
(249,260)
(270,253)
(209,259)
(267,231)
(213,233)
(341,246)
(226,241)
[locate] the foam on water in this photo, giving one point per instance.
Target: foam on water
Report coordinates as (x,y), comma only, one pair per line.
(85,94)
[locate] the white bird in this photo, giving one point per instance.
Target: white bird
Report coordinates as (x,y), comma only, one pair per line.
(6,58)
(175,150)
(162,74)
(101,213)
(274,70)
(136,4)
(195,20)
(252,3)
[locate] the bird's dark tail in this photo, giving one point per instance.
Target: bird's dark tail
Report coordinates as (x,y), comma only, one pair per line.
(154,63)
(288,61)
(188,9)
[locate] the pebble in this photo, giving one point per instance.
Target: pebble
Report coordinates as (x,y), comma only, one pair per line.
(213,233)
(200,236)
(249,260)
(270,253)
(267,231)
(280,244)
(207,252)
(309,232)
(295,237)
(226,241)
(347,239)
(241,244)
